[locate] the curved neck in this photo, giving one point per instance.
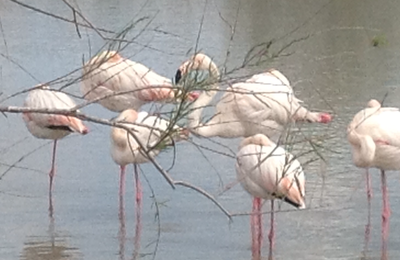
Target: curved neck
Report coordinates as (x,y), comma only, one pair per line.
(194,118)
(363,149)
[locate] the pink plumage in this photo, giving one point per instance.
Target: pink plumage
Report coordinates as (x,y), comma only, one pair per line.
(123,84)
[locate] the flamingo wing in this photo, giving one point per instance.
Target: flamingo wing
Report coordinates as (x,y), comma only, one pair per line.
(269,171)
(382,124)
(124,83)
(46,98)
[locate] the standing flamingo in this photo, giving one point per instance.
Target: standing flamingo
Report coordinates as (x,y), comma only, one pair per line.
(267,171)
(51,126)
(374,135)
(265,104)
(125,150)
(118,83)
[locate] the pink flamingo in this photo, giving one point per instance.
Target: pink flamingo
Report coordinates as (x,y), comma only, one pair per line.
(267,171)
(118,83)
(374,135)
(265,104)
(51,126)
(149,130)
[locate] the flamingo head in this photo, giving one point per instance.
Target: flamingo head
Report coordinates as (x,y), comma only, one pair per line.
(198,61)
(374,103)
(128,116)
(105,56)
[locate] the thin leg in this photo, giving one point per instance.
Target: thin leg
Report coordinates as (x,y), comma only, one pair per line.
(138,187)
(256,229)
(369,190)
(52,170)
(122,182)
(138,232)
(385,215)
(271,235)
(138,203)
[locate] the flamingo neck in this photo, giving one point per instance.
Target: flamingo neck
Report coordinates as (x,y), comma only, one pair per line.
(194,118)
(363,149)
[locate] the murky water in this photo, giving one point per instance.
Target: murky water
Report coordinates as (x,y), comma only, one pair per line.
(332,64)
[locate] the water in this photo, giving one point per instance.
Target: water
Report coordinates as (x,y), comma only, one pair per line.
(335,67)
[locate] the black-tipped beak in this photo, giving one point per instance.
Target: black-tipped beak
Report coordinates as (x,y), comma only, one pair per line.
(178,76)
(297,205)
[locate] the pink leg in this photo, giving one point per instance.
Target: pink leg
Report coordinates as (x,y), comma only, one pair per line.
(52,170)
(385,215)
(138,188)
(369,190)
(138,228)
(122,182)
(256,229)
(271,236)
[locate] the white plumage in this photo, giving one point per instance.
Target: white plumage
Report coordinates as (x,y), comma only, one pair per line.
(148,129)
(267,171)
(374,135)
(125,83)
(265,104)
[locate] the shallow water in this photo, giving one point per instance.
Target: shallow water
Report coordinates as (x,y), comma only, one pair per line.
(334,66)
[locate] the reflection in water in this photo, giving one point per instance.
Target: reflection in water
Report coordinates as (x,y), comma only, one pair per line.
(122,228)
(367,235)
(51,247)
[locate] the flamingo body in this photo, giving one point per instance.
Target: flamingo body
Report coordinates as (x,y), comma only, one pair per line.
(148,129)
(374,135)
(265,104)
(125,83)
(51,126)
(267,171)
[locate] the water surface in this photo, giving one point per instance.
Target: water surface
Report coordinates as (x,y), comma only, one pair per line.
(332,65)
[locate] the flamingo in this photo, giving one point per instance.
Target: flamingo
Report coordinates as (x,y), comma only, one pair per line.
(119,84)
(51,126)
(265,103)
(149,130)
(267,171)
(374,136)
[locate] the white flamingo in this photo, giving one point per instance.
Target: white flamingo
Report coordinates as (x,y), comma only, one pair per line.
(267,171)
(265,103)
(149,130)
(51,126)
(118,83)
(374,135)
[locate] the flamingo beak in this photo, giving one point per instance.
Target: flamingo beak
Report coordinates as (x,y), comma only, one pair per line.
(178,76)
(192,96)
(325,118)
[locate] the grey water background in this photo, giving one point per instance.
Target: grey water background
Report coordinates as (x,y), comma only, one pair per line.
(335,67)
